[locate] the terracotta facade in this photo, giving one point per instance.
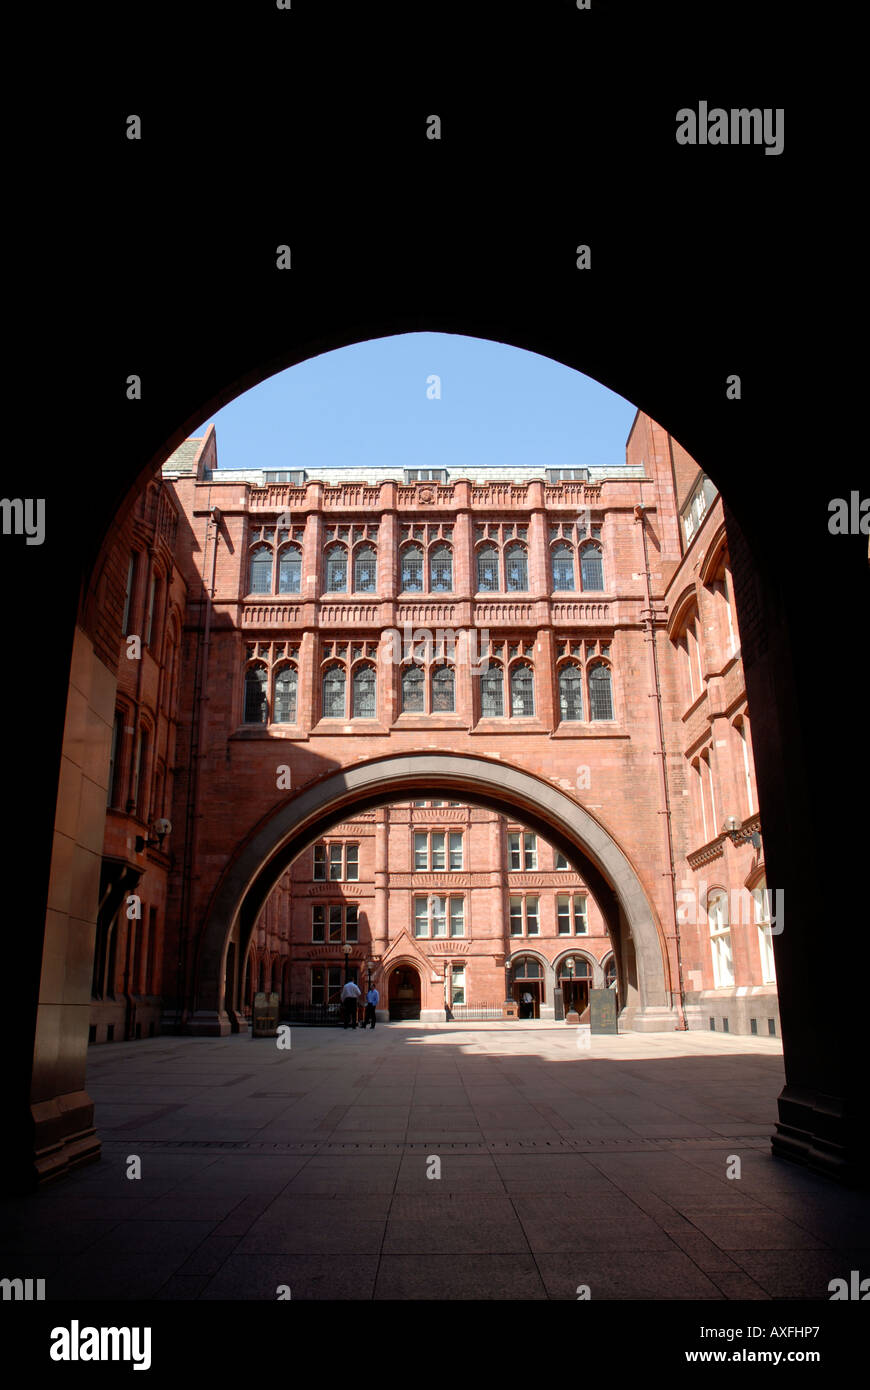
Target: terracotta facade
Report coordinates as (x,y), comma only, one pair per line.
(581,631)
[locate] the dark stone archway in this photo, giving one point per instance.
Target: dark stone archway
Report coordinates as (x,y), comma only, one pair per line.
(676,303)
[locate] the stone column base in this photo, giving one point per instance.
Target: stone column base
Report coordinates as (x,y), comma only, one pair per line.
(63,1136)
(818,1132)
(433,1015)
(653,1019)
(208,1023)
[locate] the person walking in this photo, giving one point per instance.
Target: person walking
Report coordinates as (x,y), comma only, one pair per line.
(349,995)
(528,1006)
(372,999)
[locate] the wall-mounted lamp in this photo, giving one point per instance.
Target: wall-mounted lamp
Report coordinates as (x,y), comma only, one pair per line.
(731,827)
(159,830)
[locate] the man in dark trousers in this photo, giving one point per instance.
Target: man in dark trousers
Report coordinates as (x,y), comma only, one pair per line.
(349,995)
(371,1004)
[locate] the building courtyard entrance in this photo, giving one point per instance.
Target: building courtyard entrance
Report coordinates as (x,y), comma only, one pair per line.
(404,994)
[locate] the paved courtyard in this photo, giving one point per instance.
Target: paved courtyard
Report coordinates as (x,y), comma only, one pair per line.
(559,1167)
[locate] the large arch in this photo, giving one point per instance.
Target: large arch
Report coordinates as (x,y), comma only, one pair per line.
(822,1116)
(267,853)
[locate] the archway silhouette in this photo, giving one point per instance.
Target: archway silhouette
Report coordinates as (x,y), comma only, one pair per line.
(821,1118)
(267,853)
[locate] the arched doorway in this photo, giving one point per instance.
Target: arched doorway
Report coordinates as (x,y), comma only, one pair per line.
(574,976)
(404,993)
(527,985)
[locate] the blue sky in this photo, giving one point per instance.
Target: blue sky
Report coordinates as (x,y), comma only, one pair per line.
(367,405)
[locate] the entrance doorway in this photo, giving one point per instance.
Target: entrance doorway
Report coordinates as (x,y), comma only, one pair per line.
(404,993)
(575,976)
(527,978)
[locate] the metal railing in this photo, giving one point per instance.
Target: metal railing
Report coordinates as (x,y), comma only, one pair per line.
(314,1015)
(474,1013)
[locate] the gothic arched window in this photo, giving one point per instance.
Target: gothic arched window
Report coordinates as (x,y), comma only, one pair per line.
(563,566)
(487,568)
(516,568)
(365,570)
(261,570)
(364,693)
(411,561)
(290,570)
(591,568)
(413,685)
(571,692)
(333,693)
(443,694)
(522,691)
(492,692)
(284,709)
(256,682)
(336,570)
(441,570)
(600,693)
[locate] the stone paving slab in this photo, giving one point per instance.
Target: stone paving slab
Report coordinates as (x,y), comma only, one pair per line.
(312,1168)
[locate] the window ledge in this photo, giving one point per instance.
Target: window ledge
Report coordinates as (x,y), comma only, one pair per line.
(430,721)
(273,731)
(350,596)
(334,727)
(599,728)
(517,724)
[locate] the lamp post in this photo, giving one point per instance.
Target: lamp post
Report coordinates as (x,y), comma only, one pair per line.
(347,948)
(507,980)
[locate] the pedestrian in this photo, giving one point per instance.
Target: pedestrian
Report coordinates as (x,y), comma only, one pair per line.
(371,1004)
(528,1006)
(349,995)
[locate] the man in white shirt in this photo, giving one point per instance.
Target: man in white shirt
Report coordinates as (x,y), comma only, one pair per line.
(349,995)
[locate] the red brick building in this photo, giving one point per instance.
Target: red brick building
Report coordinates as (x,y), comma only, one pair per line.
(433,888)
(535,652)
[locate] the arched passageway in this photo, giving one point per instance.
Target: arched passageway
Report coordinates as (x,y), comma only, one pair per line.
(822,1115)
(265,856)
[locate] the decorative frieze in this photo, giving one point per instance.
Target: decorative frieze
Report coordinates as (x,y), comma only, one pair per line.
(714,850)
(412,614)
(335,887)
(500,495)
(412,495)
(503,614)
(276,499)
(345,614)
(351,495)
(572,494)
(267,615)
(580,612)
